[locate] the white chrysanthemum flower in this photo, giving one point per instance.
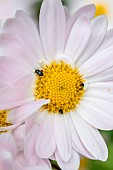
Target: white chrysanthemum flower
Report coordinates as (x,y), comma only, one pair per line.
(103,7)
(62,76)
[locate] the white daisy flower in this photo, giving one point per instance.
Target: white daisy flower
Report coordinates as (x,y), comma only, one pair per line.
(64,88)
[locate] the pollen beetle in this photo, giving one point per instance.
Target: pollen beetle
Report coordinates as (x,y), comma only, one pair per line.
(39,72)
(82,85)
(60,111)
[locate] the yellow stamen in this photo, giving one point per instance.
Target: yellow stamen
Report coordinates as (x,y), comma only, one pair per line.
(3,119)
(62,84)
(101,9)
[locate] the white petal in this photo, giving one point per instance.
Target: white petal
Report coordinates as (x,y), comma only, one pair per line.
(106,87)
(45,144)
(102,77)
(52,27)
(99,95)
(86,11)
(95,115)
(73,162)
(76,142)
(108,41)
(62,136)
(98,63)
(96,38)
(30,142)
(78,38)
(91,138)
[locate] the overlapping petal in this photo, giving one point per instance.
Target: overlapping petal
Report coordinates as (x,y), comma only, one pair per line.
(52,28)
(78,38)
(62,137)
(96,38)
(90,137)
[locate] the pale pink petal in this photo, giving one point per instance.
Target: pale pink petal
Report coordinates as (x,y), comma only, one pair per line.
(12,69)
(76,142)
(26,110)
(52,27)
(30,142)
(13,45)
(23,26)
(53,157)
(98,63)
(44,164)
(19,135)
(108,40)
(90,137)
(24,81)
(0,26)
(78,38)
(9,127)
(13,96)
(29,122)
(8,143)
(45,144)
(41,166)
(20,161)
(96,38)
(62,136)
(6,161)
(97,113)
(73,162)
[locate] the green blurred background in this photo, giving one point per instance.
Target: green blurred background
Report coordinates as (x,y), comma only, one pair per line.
(86,164)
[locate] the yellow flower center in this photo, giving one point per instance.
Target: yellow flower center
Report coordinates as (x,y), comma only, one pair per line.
(60,83)
(3,119)
(101,9)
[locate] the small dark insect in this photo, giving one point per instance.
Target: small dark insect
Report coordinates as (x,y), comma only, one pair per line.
(60,111)
(39,72)
(82,85)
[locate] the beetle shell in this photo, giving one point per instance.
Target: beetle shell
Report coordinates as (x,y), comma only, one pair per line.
(60,111)
(39,72)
